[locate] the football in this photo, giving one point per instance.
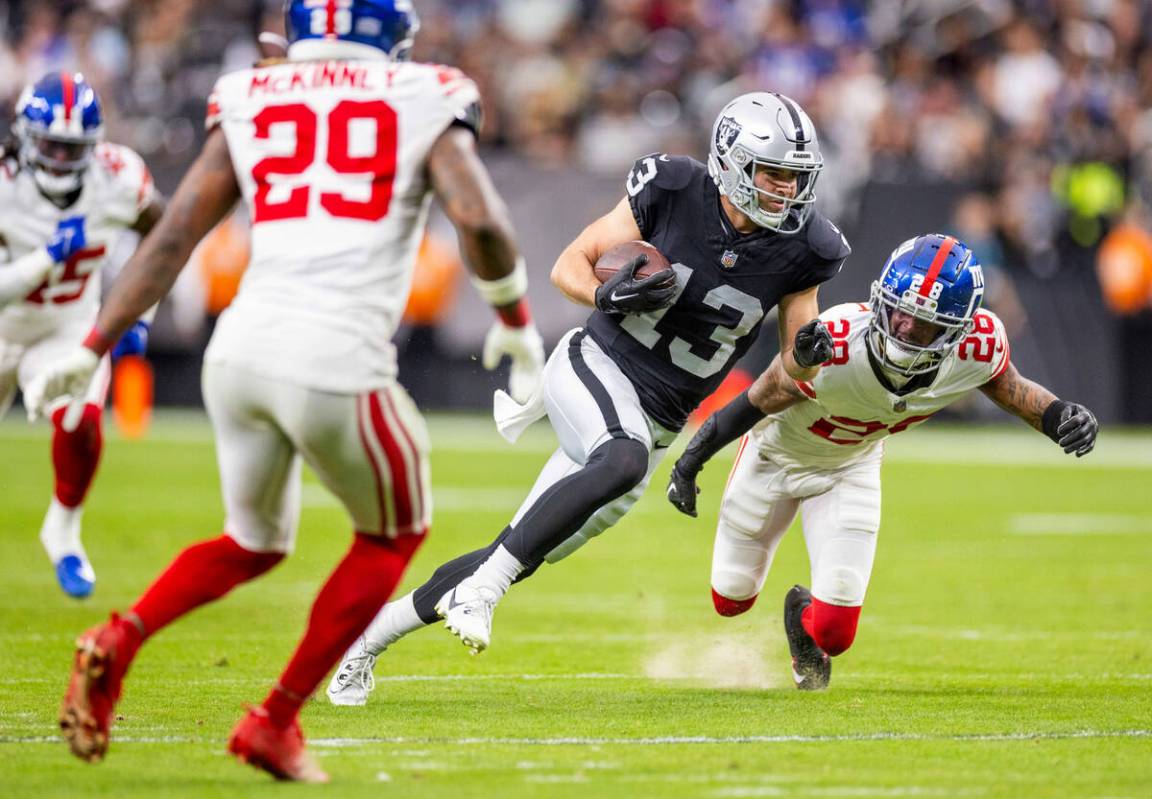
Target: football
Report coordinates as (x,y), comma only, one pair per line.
(611,261)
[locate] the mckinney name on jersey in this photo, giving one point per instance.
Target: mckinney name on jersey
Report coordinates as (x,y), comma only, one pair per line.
(330,158)
(727,281)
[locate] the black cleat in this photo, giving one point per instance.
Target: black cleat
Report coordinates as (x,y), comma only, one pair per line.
(811,666)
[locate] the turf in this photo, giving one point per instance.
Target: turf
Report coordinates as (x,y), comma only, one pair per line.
(1004,649)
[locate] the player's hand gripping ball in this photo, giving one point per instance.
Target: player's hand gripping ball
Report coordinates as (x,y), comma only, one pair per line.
(635,278)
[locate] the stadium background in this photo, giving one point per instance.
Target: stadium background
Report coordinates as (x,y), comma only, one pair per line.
(1023,127)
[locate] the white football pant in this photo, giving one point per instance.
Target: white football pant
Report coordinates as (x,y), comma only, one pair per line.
(370,450)
(21,363)
(840,516)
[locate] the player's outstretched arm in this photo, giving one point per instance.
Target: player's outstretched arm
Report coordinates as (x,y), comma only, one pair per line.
(205,195)
(1071,425)
(772,392)
(573,272)
(470,200)
(804,342)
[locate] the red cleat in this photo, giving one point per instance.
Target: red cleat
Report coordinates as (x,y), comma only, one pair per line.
(731,607)
(102,657)
(280,752)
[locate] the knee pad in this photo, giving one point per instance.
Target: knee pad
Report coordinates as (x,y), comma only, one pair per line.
(623,462)
(841,585)
(832,627)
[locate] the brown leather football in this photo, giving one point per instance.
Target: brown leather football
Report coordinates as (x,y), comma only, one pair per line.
(611,261)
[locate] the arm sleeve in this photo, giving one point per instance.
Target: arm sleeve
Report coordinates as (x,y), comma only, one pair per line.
(721,429)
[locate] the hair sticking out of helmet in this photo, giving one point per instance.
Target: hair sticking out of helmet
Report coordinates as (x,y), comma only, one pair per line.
(930,283)
(350,28)
(58,123)
(765,158)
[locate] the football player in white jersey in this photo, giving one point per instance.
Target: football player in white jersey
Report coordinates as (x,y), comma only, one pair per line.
(336,152)
(922,343)
(65,198)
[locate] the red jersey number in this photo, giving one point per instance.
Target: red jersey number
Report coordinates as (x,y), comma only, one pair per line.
(379,166)
(842,430)
(74,278)
(981,345)
(839,329)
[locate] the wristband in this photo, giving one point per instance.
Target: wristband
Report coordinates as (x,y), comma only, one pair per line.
(516,314)
(97,341)
(504,290)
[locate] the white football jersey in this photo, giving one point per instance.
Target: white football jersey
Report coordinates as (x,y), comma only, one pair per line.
(331,159)
(116,188)
(849,412)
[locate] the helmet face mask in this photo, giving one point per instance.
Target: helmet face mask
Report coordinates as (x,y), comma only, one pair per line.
(766,132)
(936,281)
(58,124)
(335,28)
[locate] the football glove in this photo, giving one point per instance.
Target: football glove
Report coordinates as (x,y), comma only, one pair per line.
(66,378)
(682,490)
(813,345)
(1072,426)
(133,342)
(68,239)
(526,349)
(623,293)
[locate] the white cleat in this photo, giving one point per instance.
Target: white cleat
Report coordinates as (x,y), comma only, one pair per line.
(353,680)
(467,612)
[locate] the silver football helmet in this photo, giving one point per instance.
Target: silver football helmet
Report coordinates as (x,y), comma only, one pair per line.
(765,129)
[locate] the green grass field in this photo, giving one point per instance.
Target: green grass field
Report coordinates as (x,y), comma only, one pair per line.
(1005,649)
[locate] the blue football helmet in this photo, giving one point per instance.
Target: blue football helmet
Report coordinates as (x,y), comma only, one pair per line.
(58,123)
(934,278)
(387,25)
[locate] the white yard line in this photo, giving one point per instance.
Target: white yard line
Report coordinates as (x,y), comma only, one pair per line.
(670,740)
(1079,524)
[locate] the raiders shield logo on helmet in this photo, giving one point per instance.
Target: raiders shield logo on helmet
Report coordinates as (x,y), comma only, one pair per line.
(727,129)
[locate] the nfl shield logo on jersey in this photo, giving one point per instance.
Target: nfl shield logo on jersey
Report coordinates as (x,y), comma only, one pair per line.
(728,259)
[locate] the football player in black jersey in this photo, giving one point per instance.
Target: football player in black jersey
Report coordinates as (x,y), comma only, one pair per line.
(742,236)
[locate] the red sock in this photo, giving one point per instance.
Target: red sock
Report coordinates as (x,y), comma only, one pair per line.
(832,627)
(200,574)
(76,455)
(731,607)
(347,603)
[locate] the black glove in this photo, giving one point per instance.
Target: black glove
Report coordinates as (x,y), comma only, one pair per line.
(682,490)
(623,293)
(720,429)
(813,345)
(1071,426)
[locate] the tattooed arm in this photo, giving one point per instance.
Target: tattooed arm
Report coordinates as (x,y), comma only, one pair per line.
(205,195)
(1019,396)
(1069,424)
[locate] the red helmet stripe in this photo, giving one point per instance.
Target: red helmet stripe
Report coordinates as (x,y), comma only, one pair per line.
(331,18)
(937,265)
(69,87)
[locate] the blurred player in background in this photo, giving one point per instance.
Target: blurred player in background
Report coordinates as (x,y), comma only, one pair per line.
(336,152)
(65,197)
(922,343)
(742,236)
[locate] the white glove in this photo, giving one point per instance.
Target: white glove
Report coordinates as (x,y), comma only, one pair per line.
(66,378)
(526,349)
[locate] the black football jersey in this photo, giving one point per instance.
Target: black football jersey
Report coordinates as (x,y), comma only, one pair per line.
(727,280)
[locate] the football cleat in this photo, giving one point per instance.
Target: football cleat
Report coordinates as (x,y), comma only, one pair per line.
(811,666)
(75,576)
(98,671)
(467,612)
(353,680)
(279,751)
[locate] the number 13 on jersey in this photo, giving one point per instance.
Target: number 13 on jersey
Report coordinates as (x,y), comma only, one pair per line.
(367,170)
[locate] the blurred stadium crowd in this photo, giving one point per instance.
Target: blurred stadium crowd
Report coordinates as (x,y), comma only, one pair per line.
(1039,112)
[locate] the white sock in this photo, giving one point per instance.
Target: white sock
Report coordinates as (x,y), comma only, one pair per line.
(394,621)
(498,572)
(60,532)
